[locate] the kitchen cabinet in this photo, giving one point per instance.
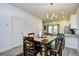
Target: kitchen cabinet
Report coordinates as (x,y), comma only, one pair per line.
(72,41)
(74,22)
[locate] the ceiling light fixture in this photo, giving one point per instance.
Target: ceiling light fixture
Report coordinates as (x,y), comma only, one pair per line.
(62,12)
(51,15)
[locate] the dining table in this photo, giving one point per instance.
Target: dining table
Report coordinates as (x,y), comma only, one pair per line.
(40,39)
(44,43)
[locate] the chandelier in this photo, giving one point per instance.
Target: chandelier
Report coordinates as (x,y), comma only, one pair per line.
(51,15)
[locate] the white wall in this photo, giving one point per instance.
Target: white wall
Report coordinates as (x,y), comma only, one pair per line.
(31,24)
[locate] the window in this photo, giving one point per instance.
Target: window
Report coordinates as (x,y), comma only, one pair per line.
(50,29)
(53,29)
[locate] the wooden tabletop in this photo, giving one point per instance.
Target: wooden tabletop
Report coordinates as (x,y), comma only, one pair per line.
(44,40)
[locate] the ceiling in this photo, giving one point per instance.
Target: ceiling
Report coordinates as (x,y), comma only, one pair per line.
(41,9)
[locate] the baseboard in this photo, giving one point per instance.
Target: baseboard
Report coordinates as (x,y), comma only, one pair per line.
(16,46)
(6,49)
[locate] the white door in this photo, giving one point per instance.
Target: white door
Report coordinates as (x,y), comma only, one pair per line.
(18,30)
(5,33)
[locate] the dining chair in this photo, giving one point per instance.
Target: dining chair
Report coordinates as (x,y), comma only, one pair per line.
(56,46)
(62,40)
(24,46)
(53,48)
(44,50)
(31,34)
(44,47)
(62,43)
(30,46)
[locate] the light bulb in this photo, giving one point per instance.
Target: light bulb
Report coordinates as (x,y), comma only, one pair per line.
(62,12)
(56,16)
(47,16)
(53,15)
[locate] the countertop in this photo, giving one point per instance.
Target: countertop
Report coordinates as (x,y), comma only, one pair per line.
(72,35)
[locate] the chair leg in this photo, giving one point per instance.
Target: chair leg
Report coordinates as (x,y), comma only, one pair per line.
(60,52)
(53,53)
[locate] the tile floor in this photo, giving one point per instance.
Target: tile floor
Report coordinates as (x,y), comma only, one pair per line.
(13,51)
(19,49)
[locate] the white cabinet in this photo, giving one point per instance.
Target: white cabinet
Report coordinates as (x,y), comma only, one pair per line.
(72,41)
(74,22)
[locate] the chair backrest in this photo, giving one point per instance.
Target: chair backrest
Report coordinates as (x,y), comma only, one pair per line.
(28,44)
(57,48)
(61,44)
(24,46)
(31,34)
(60,38)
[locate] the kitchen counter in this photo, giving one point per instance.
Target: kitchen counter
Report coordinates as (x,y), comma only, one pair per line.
(72,35)
(72,41)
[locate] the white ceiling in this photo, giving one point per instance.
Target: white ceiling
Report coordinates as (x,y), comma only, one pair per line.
(41,9)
